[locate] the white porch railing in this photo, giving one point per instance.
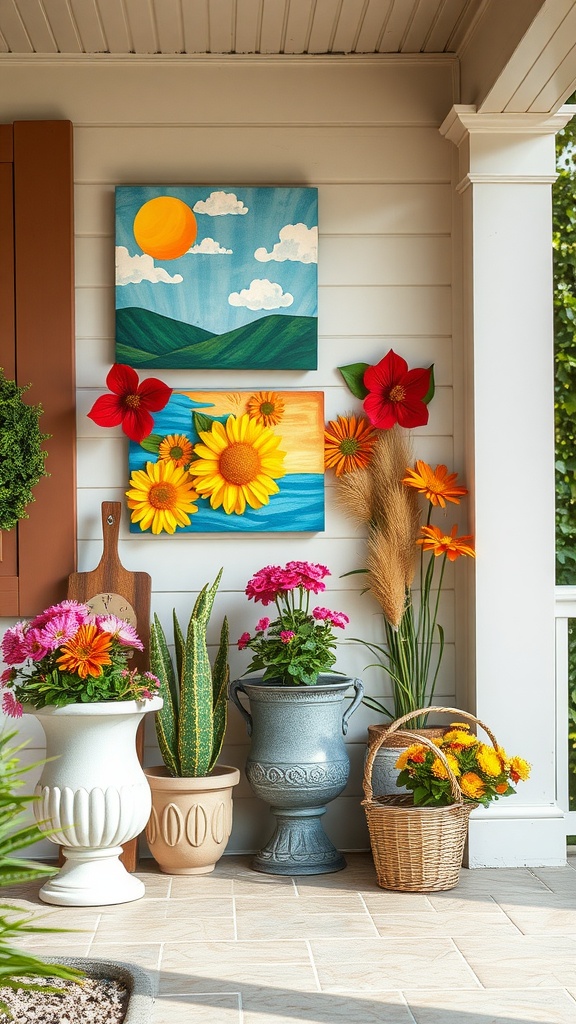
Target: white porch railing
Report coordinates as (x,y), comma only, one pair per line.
(565,609)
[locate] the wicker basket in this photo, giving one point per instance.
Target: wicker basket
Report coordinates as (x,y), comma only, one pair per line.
(417,849)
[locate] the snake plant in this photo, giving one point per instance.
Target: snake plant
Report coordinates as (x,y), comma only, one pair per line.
(190,725)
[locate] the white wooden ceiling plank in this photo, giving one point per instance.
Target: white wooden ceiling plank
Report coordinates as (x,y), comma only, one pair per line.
(373,25)
(37,26)
(323,26)
(547,60)
(396,25)
(348,27)
(89,26)
(169,26)
(425,15)
(272,32)
(560,86)
(298,26)
(142,27)
(63,26)
(12,28)
(221,25)
(442,26)
(248,20)
(115,26)
(195,24)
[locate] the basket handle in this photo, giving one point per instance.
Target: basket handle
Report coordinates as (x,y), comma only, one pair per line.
(414,737)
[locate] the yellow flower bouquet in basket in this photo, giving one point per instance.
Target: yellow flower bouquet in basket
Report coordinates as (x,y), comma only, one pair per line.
(418,839)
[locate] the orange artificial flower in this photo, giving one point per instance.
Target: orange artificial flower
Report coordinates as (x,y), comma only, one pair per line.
(86,652)
(446,544)
(348,444)
(472,785)
(266,407)
(176,448)
(437,485)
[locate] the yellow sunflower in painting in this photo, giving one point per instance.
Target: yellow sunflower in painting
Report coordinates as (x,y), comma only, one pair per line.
(175,448)
(237,464)
(161,496)
(266,407)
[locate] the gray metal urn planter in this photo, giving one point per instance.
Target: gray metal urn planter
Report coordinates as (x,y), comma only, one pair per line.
(298,763)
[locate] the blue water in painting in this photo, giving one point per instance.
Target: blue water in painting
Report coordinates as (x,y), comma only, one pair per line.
(298,507)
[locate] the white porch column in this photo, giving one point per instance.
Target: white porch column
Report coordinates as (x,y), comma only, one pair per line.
(506,167)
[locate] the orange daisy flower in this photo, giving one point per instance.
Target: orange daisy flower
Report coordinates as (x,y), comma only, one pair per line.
(266,407)
(86,652)
(348,444)
(176,448)
(436,484)
(446,544)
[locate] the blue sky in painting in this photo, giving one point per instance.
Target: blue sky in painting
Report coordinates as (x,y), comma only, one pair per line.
(196,288)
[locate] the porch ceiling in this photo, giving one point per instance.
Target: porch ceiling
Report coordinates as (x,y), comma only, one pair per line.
(236,26)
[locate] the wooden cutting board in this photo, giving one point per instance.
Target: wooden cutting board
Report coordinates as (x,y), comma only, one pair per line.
(112,589)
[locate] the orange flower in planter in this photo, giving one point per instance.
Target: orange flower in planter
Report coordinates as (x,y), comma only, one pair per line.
(446,544)
(87,652)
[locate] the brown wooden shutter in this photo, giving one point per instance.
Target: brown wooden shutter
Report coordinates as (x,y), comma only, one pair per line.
(37,347)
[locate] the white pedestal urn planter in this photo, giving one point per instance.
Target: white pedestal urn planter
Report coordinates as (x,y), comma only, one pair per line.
(93,796)
(298,762)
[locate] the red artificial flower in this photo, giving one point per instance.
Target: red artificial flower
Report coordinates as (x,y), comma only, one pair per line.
(395,393)
(130,403)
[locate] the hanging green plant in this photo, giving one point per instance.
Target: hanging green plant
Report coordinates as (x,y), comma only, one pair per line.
(21,454)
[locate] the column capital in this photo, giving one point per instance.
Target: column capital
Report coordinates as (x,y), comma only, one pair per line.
(465,120)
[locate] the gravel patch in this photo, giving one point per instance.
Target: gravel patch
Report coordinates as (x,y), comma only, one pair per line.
(113,992)
(96,1001)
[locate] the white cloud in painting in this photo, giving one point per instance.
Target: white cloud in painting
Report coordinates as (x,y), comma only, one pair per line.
(220,203)
(262,294)
(208,246)
(134,269)
(297,243)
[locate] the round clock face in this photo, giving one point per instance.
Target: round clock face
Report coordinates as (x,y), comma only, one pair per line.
(112,604)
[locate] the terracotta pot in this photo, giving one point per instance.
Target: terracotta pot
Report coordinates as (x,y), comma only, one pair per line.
(191,819)
(384,771)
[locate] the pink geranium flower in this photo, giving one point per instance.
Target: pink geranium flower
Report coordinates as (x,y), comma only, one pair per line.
(286,635)
(13,648)
(262,624)
(243,641)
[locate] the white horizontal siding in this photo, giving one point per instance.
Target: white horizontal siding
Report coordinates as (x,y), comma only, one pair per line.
(366,136)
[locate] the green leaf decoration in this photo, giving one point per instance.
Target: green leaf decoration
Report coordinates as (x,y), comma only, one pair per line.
(202,422)
(152,443)
(431,388)
(353,375)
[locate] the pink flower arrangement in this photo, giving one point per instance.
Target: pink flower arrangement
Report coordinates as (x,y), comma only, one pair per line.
(299,644)
(65,655)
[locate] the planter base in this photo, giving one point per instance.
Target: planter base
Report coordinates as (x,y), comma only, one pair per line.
(299,845)
(92,878)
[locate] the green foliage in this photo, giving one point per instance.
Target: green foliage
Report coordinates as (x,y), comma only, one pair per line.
(19,969)
(21,454)
(311,650)
(191,724)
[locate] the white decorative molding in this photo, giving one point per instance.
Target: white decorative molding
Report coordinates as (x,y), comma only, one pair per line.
(464,119)
(504,179)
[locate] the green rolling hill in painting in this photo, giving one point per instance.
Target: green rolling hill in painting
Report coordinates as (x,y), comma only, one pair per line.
(275,342)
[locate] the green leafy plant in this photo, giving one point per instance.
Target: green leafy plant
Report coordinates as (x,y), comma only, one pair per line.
(21,454)
(18,969)
(191,724)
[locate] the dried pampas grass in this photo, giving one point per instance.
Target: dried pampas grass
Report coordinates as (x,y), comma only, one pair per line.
(376,496)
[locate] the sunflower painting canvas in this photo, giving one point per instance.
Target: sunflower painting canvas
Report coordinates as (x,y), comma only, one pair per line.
(216,278)
(220,462)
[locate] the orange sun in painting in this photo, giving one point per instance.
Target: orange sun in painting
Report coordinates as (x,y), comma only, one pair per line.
(165,228)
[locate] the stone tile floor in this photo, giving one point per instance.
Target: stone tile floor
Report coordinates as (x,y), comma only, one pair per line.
(240,947)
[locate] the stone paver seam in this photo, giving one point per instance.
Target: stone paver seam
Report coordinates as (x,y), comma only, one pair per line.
(541,880)
(94,933)
(363,902)
(313,965)
(516,926)
(234,919)
(465,962)
(405,1003)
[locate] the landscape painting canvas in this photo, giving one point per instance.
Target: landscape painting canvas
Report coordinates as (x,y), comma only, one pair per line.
(216,278)
(222,462)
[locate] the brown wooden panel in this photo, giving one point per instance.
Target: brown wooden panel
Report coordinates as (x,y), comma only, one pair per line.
(9,559)
(44,271)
